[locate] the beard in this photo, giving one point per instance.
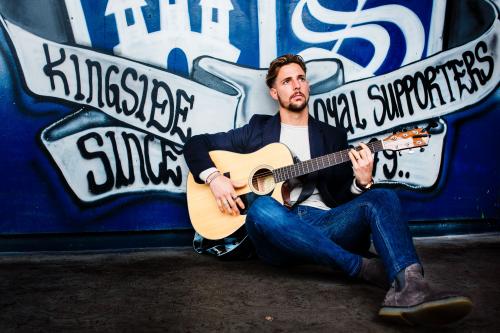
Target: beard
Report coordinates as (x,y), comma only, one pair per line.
(293,106)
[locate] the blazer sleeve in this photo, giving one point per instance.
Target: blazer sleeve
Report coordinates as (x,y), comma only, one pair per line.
(337,187)
(197,147)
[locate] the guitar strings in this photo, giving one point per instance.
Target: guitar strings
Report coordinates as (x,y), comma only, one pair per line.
(343,154)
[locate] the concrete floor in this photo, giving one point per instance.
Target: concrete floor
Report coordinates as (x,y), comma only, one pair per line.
(176,290)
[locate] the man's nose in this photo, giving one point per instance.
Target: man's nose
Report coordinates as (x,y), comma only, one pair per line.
(296,84)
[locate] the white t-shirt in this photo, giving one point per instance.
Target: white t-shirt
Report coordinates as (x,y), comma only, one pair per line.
(296,138)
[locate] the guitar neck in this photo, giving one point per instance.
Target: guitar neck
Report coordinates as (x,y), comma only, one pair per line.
(319,163)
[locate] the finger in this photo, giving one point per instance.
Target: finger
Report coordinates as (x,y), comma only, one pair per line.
(240,203)
(364,149)
(364,159)
(353,158)
(353,154)
(227,206)
(367,153)
(220,205)
(368,157)
(232,205)
(361,154)
(229,203)
(356,153)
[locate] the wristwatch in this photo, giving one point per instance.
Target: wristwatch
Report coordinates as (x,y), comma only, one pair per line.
(367,186)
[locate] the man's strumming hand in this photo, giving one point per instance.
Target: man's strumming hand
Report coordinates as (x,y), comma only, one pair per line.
(224,191)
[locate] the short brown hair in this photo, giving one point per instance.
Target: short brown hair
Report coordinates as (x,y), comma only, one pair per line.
(281,61)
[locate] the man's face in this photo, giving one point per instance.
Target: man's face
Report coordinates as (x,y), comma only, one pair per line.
(291,88)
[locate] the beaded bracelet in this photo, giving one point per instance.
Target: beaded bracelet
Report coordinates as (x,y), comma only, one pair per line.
(211,180)
(212,176)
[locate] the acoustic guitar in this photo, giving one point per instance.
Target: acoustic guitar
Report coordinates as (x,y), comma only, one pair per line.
(265,171)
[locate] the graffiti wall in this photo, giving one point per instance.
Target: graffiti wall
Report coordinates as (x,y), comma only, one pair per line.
(98,97)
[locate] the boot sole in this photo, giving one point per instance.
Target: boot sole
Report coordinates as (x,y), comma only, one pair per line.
(434,313)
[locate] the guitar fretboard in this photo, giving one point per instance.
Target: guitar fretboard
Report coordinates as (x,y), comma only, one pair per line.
(318,163)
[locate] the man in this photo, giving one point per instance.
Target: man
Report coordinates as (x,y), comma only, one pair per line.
(334,211)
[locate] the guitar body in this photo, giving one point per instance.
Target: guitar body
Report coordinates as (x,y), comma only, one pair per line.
(206,217)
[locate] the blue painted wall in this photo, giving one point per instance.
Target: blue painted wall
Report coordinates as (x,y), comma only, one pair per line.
(102,152)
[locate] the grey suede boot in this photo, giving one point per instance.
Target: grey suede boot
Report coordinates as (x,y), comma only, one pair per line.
(417,303)
(373,271)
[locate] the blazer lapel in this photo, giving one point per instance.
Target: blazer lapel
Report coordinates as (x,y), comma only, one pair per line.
(271,131)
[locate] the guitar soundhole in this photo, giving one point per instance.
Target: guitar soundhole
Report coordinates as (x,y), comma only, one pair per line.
(262,181)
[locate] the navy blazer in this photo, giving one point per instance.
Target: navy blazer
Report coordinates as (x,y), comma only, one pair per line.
(333,183)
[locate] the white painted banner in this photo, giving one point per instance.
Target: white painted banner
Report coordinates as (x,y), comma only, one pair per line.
(100,157)
(146,97)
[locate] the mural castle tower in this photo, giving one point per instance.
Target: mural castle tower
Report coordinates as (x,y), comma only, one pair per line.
(175,37)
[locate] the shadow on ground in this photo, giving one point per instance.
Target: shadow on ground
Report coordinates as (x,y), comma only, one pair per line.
(174,289)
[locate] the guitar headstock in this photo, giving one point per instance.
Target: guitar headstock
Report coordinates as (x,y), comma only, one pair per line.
(414,138)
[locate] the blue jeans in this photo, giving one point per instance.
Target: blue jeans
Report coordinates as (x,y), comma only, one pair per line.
(335,238)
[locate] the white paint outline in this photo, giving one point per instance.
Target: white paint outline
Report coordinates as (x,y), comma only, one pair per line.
(78,22)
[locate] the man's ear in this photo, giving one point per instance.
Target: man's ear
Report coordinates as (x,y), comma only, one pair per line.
(274,93)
